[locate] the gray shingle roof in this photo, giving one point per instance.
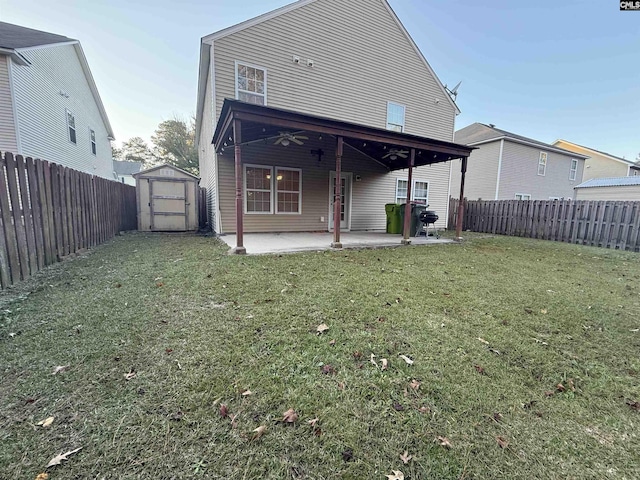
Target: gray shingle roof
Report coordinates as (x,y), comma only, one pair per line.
(15,36)
(126,168)
(610,182)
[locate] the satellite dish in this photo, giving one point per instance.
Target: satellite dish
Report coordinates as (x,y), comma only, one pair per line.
(453,93)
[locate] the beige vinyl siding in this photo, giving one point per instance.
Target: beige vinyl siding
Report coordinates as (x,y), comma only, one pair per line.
(597,166)
(519,173)
(362,61)
(8,140)
(206,154)
(630,193)
(482,173)
(41,111)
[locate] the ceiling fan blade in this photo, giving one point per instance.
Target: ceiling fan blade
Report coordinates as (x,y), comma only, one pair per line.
(302,137)
(278,141)
(296,141)
(401,155)
(387,155)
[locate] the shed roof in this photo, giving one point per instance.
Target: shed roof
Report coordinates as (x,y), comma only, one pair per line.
(610,182)
(164,165)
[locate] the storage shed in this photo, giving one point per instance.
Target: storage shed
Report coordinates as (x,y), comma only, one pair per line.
(167,200)
(618,189)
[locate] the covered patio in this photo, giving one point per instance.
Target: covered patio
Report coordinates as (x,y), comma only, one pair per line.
(242,124)
(267,243)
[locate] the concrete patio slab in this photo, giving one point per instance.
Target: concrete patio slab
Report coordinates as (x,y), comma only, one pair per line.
(265,243)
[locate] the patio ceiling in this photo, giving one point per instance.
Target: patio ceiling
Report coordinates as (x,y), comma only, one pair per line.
(260,123)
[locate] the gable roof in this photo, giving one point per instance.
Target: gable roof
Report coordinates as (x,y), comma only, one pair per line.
(15,39)
(126,168)
(208,40)
(14,36)
(612,157)
(610,182)
(479,133)
(165,165)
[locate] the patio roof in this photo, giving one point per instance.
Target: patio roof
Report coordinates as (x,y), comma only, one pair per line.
(261,123)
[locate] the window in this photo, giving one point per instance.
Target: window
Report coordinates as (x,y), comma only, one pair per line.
(554,198)
(257,185)
(288,187)
(92,136)
(574,169)
(419,193)
(71,126)
(523,196)
(542,164)
(251,84)
(395,117)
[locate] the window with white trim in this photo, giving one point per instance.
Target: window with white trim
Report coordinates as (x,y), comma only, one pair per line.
(251,84)
(71,126)
(554,198)
(574,169)
(258,185)
(288,190)
(92,136)
(395,116)
(523,196)
(542,164)
(419,192)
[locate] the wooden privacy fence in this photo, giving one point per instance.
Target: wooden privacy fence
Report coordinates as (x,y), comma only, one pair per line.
(48,212)
(607,224)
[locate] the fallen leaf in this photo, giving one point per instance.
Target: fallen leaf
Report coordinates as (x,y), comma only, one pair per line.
(502,442)
(560,387)
(169,351)
(46,423)
(341,385)
(398,407)
(323,327)
(246,393)
(424,410)
(549,393)
(529,405)
(483,341)
(415,384)
(396,475)
(480,369)
(385,363)
(57,460)
(497,417)
(42,476)
(258,432)
(634,405)
(234,423)
(313,422)
(347,455)
(543,311)
(635,330)
(290,416)
(328,370)
(159,284)
(493,350)
(224,411)
(405,457)
(130,375)
(332,343)
(59,369)
(372,359)
(406,359)
(443,442)
(571,384)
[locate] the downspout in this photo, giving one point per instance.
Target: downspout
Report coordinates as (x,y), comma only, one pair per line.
(499,169)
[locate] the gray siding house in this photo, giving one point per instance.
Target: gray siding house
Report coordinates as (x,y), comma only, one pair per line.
(506,166)
(49,103)
(326,60)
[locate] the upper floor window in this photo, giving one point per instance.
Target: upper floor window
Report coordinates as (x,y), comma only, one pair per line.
(71,126)
(542,164)
(523,196)
(574,169)
(251,84)
(395,116)
(92,136)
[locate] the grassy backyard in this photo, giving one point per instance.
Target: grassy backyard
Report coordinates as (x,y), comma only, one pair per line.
(526,363)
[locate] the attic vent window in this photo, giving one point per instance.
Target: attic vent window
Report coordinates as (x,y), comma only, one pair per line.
(71,126)
(166,172)
(251,84)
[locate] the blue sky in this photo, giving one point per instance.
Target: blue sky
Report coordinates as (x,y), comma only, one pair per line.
(546,69)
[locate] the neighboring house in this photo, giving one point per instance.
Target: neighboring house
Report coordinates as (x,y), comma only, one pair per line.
(125,170)
(601,164)
(507,166)
(617,189)
(49,103)
(304,82)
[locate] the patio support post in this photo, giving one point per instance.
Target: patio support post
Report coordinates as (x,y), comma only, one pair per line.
(337,199)
(237,139)
(461,202)
(407,207)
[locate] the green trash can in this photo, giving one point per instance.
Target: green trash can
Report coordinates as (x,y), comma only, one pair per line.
(394,220)
(415,217)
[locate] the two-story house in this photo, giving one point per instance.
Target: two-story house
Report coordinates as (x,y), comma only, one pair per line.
(601,164)
(314,95)
(506,166)
(49,103)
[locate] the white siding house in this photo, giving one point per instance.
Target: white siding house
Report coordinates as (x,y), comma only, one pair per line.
(52,103)
(331,59)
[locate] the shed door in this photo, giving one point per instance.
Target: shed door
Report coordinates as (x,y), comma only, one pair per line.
(168,201)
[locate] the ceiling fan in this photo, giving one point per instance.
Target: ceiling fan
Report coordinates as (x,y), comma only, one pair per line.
(285,139)
(394,153)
